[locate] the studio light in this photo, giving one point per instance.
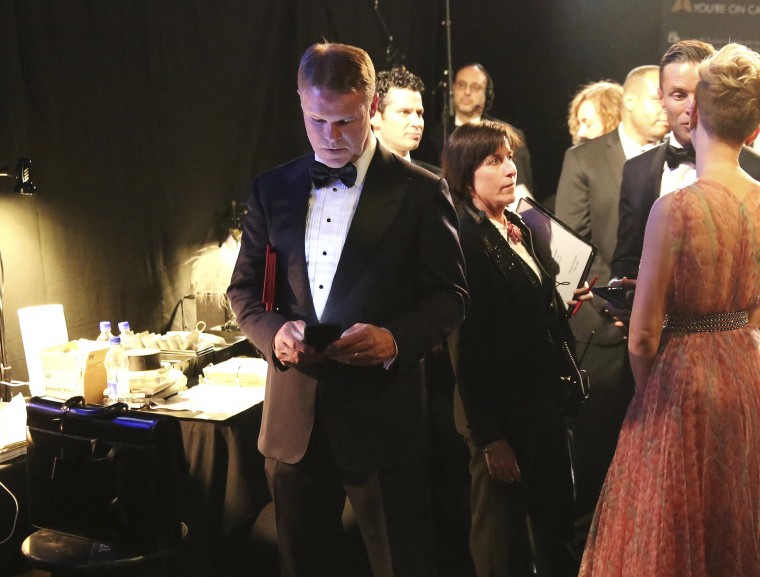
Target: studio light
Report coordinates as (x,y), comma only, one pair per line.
(23,176)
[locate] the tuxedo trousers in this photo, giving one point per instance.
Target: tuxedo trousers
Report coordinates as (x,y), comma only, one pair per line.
(392,509)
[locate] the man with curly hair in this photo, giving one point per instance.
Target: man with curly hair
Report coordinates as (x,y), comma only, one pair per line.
(398,122)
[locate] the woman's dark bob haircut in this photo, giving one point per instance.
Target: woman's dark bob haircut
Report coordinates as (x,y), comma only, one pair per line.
(468,146)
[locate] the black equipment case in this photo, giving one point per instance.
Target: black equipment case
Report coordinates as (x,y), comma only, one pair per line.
(105,473)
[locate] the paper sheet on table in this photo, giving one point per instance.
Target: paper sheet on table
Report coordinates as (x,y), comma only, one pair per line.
(243,371)
(211,402)
(12,428)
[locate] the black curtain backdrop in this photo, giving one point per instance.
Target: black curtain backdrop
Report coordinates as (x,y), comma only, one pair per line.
(145,119)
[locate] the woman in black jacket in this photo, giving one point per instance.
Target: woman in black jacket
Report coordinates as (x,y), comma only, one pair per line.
(508,361)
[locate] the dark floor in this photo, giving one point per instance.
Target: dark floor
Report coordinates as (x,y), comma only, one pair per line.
(256,559)
(31,573)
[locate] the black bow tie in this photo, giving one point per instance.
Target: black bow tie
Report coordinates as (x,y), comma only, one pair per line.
(675,156)
(322,175)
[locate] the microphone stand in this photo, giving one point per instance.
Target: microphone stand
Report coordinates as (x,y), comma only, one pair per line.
(448,78)
(393,58)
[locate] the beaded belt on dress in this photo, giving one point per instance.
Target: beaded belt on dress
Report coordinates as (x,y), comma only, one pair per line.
(707,323)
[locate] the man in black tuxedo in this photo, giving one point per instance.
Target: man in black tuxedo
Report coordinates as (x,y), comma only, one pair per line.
(474,94)
(587,200)
(669,166)
(368,242)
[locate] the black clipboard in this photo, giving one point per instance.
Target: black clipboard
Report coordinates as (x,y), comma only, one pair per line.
(571,251)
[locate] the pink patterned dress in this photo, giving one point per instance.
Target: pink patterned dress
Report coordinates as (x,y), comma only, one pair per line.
(682,496)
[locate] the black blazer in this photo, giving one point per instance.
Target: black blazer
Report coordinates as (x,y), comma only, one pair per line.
(640,188)
(505,353)
(401,268)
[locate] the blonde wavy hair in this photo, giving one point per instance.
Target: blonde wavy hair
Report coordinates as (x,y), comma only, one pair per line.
(728,93)
(607,98)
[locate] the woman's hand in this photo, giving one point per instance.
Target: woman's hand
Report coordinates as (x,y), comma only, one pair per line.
(581,294)
(501,462)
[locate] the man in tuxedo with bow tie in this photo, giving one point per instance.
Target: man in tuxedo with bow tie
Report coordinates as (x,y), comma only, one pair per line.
(669,166)
(369,244)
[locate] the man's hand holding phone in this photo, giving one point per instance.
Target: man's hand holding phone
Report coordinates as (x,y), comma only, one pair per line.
(321,335)
(289,346)
(361,345)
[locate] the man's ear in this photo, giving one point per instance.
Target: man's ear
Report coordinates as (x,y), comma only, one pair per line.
(373,105)
(628,101)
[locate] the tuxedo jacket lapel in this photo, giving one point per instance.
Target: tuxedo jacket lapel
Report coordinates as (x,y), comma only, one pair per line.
(380,201)
(291,234)
(654,176)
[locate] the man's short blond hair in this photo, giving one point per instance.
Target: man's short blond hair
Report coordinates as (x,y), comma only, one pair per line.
(337,68)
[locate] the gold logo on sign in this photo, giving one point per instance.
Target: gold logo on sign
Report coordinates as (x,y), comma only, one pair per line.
(682,6)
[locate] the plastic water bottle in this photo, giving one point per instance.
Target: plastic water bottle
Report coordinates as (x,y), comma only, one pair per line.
(117,372)
(127,336)
(105,332)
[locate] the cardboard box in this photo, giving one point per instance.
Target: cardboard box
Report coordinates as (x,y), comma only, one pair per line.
(75,368)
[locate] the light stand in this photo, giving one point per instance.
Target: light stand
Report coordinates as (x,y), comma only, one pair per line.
(24,185)
(393,58)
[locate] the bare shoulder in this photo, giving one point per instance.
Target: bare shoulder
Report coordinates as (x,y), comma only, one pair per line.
(663,205)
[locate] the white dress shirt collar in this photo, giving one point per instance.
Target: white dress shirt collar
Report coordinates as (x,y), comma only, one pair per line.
(671,139)
(631,148)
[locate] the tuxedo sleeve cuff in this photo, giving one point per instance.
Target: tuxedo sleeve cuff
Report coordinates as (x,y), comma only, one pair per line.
(388,364)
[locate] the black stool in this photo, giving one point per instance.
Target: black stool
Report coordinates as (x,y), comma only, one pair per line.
(68,555)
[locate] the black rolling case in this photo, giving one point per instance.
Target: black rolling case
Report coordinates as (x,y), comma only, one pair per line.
(105,473)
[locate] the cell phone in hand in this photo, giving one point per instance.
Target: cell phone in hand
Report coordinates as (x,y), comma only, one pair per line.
(321,335)
(619,296)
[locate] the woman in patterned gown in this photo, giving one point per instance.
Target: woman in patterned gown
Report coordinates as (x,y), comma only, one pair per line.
(682,496)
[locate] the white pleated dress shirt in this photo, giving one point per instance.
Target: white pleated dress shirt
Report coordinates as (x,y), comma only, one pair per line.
(331,210)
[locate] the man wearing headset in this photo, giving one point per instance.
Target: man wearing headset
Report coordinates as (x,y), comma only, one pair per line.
(473,97)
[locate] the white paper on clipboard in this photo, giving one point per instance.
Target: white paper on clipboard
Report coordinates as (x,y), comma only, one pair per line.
(572,253)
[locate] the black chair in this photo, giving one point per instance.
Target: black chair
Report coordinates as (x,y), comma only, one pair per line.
(67,555)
